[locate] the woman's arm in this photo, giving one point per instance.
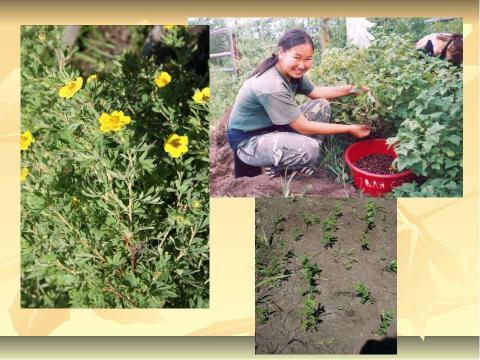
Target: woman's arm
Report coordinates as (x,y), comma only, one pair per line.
(332,92)
(307,127)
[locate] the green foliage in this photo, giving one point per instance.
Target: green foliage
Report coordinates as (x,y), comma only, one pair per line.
(370,212)
(275,267)
(337,212)
(263,314)
(391,266)
(311,219)
(351,258)
(363,292)
(310,271)
(364,241)
(297,233)
(309,313)
(417,27)
(273,272)
(110,220)
(329,225)
(279,219)
(386,320)
(416,101)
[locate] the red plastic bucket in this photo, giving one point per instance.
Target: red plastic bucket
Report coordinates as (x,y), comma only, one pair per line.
(370,183)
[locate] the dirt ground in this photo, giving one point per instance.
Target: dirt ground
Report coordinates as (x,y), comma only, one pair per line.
(344,324)
(224,184)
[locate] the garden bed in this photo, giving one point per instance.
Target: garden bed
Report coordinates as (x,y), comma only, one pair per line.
(223,183)
(290,231)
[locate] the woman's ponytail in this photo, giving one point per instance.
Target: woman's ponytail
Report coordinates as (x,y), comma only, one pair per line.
(265,65)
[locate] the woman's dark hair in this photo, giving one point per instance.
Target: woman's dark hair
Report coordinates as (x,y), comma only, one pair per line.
(290,39)
(456,45)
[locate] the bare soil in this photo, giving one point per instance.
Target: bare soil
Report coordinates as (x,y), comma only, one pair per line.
(224,184)
(344,324)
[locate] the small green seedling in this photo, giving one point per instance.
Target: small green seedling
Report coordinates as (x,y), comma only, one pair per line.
(328,239)
(310,271)
(337,212)
(277,221)
(370,212)
(364,241)
(351,258)
(363,292)
(274,268)
(263,314)
(261,238)
(386,320)
(297,233)
(309,313)
(391,266)
(310,289)
(329,224)
(310,219)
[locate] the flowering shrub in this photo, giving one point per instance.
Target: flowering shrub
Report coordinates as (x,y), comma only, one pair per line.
(114,203)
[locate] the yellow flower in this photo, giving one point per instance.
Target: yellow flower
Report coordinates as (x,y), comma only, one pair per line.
(25,140)
(168,27)
(202,96)
(75,201)
(176,145)
(113,122)
(91,78)
(23,174)
(71,88)
(182,220)
(196,204)
(163,79)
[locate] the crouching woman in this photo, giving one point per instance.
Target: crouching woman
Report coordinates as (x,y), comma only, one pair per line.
(267,129)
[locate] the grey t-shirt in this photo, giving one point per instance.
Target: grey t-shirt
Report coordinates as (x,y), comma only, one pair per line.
(267,100)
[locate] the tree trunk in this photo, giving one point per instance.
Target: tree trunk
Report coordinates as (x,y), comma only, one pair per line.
(325,30)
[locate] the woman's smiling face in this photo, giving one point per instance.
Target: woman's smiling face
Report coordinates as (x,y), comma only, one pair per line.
(296,61)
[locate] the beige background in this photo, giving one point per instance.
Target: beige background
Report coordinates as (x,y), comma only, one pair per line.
(437,238)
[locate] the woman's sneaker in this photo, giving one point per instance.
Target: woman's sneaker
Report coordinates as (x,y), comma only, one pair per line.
(275,172)
(272,172)
(307,170)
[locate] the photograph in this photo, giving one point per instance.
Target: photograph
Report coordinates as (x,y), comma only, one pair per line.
(325,276)
(114,166)
(336,107)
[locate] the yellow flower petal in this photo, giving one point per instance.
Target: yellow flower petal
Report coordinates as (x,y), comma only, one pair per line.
(91,78)
(25,140)
(202,96)
(24,173)
(176,145)
(113,122)
(163,79)
(206,93)
(198,97)
(168,27)
(71,88)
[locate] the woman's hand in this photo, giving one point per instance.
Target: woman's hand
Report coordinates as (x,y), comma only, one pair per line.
(357,90)
(363,89)
(359,131)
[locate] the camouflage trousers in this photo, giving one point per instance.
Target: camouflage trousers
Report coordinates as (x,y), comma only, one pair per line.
(283,149)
